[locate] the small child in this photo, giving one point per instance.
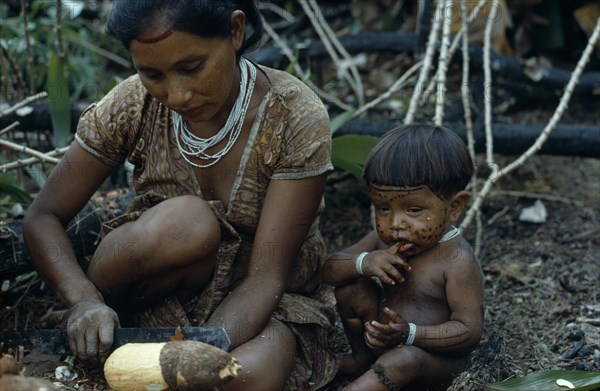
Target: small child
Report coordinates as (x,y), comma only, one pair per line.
(419,319)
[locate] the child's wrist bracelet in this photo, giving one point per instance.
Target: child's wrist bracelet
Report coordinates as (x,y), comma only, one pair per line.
(412,331)
(359,261)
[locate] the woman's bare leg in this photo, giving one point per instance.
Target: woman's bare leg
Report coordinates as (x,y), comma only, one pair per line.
(170,249)
(267,360)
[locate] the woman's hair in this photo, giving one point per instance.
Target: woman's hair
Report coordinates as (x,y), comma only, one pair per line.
(420,155)
(130,19)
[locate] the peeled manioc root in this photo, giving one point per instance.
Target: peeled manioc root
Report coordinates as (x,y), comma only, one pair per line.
(175,365)
(8,365)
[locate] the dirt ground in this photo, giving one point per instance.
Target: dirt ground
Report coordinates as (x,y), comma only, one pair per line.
(541,280)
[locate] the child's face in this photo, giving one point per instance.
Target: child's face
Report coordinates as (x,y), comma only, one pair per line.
(414,217)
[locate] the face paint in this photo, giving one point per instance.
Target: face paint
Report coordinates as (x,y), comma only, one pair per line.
(414,216)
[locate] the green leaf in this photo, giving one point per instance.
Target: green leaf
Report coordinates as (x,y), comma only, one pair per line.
(546,381)
(349,152)
(10,187)
(59,98)
(341,119)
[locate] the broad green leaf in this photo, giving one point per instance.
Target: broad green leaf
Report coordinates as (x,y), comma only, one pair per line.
(546,381)
(349,152)
(341,119)
(59,98)
(10,187)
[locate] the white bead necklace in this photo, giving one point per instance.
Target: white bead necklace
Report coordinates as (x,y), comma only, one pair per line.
(191,145)
(449,235)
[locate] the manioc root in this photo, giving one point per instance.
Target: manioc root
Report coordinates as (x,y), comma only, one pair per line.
(175,365)
(8,365)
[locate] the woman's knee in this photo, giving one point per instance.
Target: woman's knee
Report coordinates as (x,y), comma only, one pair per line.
(184,225)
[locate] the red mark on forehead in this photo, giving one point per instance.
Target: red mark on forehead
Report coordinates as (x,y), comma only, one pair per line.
(384,188)
(155,39)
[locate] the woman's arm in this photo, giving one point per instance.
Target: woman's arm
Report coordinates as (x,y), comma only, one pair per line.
(70,185)
(289,210)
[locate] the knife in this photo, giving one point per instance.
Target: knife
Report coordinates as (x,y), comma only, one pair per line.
(57,341)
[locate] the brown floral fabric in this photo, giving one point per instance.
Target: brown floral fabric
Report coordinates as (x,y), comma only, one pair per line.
(290,139)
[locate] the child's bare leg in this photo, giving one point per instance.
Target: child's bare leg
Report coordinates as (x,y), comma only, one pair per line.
(357,303)
(409,366)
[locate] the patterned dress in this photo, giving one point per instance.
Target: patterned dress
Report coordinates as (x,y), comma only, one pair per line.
(289,139)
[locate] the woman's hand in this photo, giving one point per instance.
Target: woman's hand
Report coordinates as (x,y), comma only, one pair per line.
(91,328)
(386,265)
(385,336)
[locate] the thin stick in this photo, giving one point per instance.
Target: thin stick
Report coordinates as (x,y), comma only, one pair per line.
(13,68)
(438,119)
(487,72)
(58,28)
(394,88)
(9,128)
(24,102)
(326,39)
(287,51)
(28,47)
(562,106)
(465,86)
(432,41)
(537,196)
(360,95)
(564,100)
(32,160)
(29,151)
(455,42)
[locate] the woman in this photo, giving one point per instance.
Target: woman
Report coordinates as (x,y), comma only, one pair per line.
(230,166)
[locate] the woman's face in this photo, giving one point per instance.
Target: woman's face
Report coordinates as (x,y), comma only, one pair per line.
(196,76)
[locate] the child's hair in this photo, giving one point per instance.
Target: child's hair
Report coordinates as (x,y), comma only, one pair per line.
(420,155)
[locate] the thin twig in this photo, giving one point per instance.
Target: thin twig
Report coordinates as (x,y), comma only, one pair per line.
(102,52)
(398,84)
(331,43)
(28,47)
(13,67)
(438,119)
(454,46)
(32,160)
(24,102)
(465,85)
(487,71)
(58,28)
(359,89)
(564,100)
(21,148)
(562,106)
(537,196)
(287,51)
(424,74)
(9,128)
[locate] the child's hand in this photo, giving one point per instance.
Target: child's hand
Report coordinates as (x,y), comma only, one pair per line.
(386,265)
(385,336)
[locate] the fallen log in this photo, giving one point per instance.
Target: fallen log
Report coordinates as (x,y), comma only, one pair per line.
(382,42)
(84,232)
(509,139)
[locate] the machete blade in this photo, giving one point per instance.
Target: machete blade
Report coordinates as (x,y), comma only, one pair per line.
(56,340)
